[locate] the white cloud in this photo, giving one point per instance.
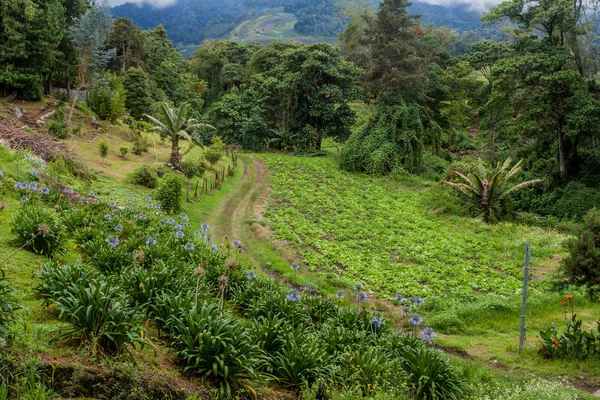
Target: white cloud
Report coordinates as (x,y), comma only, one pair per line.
(155,3)
(476,4)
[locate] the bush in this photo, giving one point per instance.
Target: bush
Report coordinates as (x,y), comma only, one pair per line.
(193,168)
(216,347)
(59,130)
(213,155)
(168,194)
(54,278)
(145,176)
(103,149)
(140,146)
(572,201)
(8,305)
(38,230)
(123,150)
(582,266)
(107,97)
(98,312)
(137,99)
(430,374)
(433,167)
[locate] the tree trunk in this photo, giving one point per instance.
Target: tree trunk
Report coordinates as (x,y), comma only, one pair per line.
(175,159)
(318,139)
(74,101)
(492,139)
(562,163)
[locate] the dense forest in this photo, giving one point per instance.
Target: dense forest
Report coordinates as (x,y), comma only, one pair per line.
(193,21)
(291,220)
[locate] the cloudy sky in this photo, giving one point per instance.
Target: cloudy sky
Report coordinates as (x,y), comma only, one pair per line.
(479,4)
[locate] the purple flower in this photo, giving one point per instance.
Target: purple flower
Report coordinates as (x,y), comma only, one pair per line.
(398,297)
(150,241)
(251,275)
(33,186)
(142,216)
(148,199)
(358,287)
(208,239)
(418,301)
(214,247)
(91,194)
(132,198)
(184,217)
(108,217)
(119,228)
(189,246)
(24,199)
(34,174)
(170,221)
(157,206)
(293,295)
(112,203)
(295,267)
(376,321)
(205,227)
(198,233)
(178,227)
(113,241)
(236,243)
(428,334)
(44,190)
(179,234)
(1,173)
(339,294)
(415,319)
(361,296)
(20,185)
(306,288)
(150,206)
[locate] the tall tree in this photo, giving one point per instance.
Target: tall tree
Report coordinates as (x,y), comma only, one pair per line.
(89,33)
(127,40)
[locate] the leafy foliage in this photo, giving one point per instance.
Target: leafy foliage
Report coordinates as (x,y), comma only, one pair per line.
(169,194)
(582,266)
(488,191)
(38,230)
(107,97)
(145,176)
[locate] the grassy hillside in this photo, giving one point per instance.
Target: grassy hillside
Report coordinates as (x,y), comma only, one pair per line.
(272,25)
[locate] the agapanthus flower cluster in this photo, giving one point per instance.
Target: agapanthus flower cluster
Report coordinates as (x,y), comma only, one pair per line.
(376,321)
(415,320)
(339,294)
(189,246)
(236,243)
(362,296)
(428,334)
(295,267)
(204,227)
(113,241)
(293,295)
(118,228)
(358,287)
(251,275)
(179,234)
(150,241)
(417,301)
(33,187)
(214,247)
(108,217)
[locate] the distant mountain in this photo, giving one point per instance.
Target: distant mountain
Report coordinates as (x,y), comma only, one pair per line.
(193,21)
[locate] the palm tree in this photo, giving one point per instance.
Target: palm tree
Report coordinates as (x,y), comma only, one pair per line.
(175,123)
(487,194)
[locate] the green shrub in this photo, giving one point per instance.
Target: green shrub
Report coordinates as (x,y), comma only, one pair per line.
(433,167)
(193,168)
(107,97)
(572,201)
(140,146)
(137,98)
(123,150)
(582,266)
(447,322)
(430,374)
(103,149)
(169,193)
(143,285)
(99,313)
(106,258)
(54,278)
(302,358)
(216,347)
(369,368)
(59,130)
(145,176)
(38,230)
(213,155)
(8,305)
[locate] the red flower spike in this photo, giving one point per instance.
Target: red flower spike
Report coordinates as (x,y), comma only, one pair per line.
(554,342)
(570,297)
(563,303)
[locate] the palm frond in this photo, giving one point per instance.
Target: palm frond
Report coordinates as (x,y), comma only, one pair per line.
(519,187)
(514,170)
(461,187)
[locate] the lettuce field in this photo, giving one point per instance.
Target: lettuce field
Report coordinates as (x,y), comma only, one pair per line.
(352,229)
